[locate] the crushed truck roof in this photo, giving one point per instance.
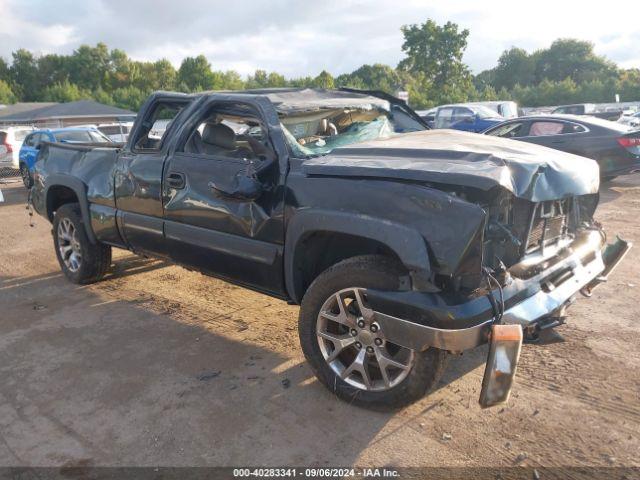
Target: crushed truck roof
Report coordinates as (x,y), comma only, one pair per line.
(297,100)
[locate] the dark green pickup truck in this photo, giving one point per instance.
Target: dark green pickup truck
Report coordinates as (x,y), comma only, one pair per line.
(400,243)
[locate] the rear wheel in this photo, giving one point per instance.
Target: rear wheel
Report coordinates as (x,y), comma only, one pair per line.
(349,351)
(26,175)
(81,261)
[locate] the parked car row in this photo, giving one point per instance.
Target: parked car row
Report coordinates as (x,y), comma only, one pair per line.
(11,139)
(470,117)
(609,113)
(467,117)
(476,116)
(32,142)
(632,119)
(616,147)
(117,132)
(581,129)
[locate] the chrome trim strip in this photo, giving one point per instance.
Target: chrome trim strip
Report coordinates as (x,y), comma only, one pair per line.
(420,337)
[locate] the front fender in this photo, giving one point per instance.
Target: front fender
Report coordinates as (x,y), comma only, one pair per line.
(404,241)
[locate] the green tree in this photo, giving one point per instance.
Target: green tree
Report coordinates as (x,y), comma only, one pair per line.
(102,96)
(64,92)
(52,69)
(122,71)
(436,52)
(323,80)
(131,98)
(90,66)
(229,80)
(195,74)
(6,94)
(4,70)
(164,75)
(574,59)
(24,75)
(514,66)
(374,77)
(628,86)
(420,87)
(300,82)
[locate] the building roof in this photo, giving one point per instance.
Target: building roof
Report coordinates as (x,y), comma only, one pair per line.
(81,108)
(23,107)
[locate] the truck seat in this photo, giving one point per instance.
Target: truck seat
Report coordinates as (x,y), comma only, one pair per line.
(216,139)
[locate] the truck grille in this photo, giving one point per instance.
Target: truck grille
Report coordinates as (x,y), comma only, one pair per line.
(549,224)
(523,227)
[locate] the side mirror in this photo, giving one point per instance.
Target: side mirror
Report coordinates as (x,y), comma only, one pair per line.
(470,119)
(244,187)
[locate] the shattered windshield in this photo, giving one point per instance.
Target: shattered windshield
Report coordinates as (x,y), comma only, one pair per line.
(319,132)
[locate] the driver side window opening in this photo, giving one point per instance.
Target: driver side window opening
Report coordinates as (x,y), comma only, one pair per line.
(229,131)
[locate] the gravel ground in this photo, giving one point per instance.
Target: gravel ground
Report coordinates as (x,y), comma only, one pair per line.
(157,366)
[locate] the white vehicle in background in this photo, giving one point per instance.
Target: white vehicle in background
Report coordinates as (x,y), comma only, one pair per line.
(633,119)
(117,132)
(506,108)
(428,116)
(11,139)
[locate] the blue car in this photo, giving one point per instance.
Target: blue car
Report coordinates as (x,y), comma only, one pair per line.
(31,145)
(467,117)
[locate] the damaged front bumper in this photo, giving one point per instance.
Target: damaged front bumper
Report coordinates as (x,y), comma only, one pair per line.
(536,289)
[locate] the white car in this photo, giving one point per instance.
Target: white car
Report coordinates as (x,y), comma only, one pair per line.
(11,139)
(632,120)
(117,132)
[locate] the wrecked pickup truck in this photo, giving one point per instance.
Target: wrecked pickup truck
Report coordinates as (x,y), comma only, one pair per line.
(401,244)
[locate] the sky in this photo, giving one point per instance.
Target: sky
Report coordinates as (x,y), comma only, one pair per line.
(299,38)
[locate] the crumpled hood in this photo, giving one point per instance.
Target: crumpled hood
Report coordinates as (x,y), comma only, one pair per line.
(529,171)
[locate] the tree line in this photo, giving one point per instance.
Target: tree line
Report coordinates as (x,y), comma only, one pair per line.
(432,72)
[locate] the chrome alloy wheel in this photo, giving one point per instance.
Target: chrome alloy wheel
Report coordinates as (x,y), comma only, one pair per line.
(354,345)
(68,245)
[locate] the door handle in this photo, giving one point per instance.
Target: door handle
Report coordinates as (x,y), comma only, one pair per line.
(175,180)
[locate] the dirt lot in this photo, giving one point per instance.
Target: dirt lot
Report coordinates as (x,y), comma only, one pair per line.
(160,366)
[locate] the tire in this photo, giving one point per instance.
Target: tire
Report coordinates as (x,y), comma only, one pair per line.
(27,179)
(71,242)
(356,275)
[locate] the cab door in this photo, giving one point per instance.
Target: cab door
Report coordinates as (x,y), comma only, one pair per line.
(207,225)
(138,175)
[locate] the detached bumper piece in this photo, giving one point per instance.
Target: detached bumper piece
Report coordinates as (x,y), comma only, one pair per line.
(504,352)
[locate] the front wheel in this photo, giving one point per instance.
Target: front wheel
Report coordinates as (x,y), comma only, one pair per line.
(81,261)
(348,350)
